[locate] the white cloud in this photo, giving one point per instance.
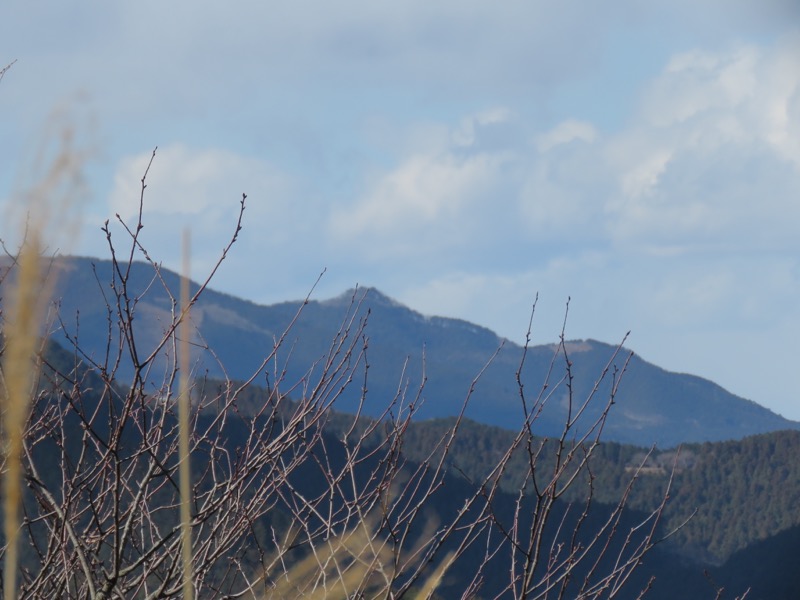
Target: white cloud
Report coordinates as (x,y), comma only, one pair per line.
(700,81)
(716,178)
(432,199)
(463,295)
(778,108)
(465,134)
(565,132)
(562,189)
(188,181)
(200,189)
(643,177)
(698,168)
(421,190)
(705,162)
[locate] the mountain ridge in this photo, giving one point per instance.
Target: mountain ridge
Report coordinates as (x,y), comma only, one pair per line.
(406,348)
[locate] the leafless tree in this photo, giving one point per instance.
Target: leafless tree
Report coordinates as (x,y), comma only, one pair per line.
(288,497)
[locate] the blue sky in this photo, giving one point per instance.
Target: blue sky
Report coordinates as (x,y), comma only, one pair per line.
(640,158)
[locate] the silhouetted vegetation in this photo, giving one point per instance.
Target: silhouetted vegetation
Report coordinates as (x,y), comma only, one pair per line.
(286,497)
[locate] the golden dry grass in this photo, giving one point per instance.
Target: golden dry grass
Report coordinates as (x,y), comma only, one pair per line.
(183,417)
(23,323)
(45,216)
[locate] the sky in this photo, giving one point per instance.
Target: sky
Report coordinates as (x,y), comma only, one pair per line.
(641,159)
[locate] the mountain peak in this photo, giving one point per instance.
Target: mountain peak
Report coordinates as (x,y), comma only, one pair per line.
(371,295)
(446,354)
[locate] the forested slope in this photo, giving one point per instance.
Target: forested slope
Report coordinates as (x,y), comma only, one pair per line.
(736,492)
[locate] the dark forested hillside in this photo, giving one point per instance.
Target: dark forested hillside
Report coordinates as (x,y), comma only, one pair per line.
(768,568)
(736,492)
(743,495)
(734,504)
(652,405)
(328,473)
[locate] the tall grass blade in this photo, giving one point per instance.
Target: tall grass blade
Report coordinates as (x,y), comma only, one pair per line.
(183,416)
(19,368)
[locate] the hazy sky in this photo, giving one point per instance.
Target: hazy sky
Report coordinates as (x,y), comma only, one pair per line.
(640,157)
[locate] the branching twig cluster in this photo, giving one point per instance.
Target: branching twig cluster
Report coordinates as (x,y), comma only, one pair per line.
(284,503)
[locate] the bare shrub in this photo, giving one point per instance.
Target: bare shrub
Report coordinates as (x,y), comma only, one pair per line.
(289,498)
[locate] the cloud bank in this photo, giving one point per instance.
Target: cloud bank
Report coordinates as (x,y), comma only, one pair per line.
(643,159)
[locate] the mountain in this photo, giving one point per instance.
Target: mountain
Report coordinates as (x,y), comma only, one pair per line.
(671,570)
(767,568)
(724,496)
(651,406)
(741,496)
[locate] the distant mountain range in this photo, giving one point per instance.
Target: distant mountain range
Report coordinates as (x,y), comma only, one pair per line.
(652,405)
(742,494)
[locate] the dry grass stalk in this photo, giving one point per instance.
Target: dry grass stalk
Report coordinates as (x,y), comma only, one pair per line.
(19,368)
(336,569)
(58,185)
(183,416)
(359,563)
